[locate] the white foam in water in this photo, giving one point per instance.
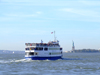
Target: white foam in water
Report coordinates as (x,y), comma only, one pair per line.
(47,60)
(21,60)
(3,61)
(12,61)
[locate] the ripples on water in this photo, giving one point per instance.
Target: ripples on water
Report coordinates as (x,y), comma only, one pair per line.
(72,64)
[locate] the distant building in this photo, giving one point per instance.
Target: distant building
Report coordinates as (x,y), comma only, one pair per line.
(73,47)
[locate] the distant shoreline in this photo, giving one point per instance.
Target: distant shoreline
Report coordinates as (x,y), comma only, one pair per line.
(10,51)
(84,51)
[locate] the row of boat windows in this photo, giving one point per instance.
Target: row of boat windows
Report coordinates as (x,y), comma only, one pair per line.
(34,53)
(40,48)
(57,53)
(31,53)
(54,48)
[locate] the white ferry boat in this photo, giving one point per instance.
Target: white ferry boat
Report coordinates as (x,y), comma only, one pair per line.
(43,51)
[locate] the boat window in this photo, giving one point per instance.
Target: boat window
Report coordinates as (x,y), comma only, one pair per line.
(49,53)
(60,48)
(36,54)
(57,53)
(38,48)
(26,48)
(31,53)
(32,48)
(45,49)
(54,49)
(45,44)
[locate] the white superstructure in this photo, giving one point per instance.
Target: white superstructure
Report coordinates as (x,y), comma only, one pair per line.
(42,51)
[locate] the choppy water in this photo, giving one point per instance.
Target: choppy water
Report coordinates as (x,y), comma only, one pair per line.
(72,64)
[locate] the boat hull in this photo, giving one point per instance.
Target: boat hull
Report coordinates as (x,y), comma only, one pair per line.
(44,58)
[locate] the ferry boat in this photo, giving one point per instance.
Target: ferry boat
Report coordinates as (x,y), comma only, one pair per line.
(43,51)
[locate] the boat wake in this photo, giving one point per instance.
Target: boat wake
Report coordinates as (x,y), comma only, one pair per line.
(29,60)
(19,61)
(15,61)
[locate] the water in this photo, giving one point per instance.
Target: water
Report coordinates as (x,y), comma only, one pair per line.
(72,64)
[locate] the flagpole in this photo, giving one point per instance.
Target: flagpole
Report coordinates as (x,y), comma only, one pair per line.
(54,36)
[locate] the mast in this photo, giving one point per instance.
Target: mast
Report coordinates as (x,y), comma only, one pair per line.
(54,36)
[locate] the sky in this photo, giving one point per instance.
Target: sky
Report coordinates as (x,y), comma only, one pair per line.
(28,21)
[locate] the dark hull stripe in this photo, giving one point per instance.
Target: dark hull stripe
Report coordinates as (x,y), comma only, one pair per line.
(44,58)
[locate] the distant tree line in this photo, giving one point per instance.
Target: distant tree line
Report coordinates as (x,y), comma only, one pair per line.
(85,51)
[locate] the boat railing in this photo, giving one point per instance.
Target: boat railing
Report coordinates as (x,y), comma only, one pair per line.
(43,45)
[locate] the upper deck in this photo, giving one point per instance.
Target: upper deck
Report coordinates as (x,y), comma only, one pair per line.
(49,44)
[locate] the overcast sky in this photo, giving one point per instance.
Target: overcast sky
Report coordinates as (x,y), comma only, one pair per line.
(23,21)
